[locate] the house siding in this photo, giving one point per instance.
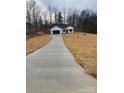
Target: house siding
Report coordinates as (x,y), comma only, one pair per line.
(67,29)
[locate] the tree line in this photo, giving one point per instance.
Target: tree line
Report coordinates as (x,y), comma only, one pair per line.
(82,20)
(33,16)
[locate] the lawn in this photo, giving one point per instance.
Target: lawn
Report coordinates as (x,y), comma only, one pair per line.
(83,47)
(36,42)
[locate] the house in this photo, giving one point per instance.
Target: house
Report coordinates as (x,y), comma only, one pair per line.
(61,28)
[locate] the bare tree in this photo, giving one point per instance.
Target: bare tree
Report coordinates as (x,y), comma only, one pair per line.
(64,13)
(50,8)
(55,10)
(83,20)
(70,11)
(45,13)
(36,13)
(29,6)
(40,22)
(75,16)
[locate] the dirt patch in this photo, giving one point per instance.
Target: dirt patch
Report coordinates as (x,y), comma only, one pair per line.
(35,42)
(83,47)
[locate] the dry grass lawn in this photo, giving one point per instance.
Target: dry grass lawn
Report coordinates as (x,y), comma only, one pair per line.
(36,42)
(83,47)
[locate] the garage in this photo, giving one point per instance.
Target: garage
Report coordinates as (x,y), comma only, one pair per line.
(56,31)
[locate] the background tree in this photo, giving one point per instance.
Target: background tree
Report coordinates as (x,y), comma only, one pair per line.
(60,18)
(69,16)
(36,14)
(85,21)
(40,22)
(45,15)
(64,13)
(55,10)
(33,17)
(73,17)
(50,8)
(29,6)
(88,21)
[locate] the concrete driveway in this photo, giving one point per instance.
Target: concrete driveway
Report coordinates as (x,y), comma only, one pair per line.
(52,69)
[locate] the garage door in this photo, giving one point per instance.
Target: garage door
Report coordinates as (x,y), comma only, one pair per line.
(56,31)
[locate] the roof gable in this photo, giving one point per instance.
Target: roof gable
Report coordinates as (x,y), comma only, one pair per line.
(62,26)
(69,27)
(55,27)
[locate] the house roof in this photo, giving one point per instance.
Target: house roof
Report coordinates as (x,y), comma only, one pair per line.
(69,27)
(63,26)
(56,27)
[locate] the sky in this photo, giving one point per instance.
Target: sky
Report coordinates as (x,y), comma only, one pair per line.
(79,4)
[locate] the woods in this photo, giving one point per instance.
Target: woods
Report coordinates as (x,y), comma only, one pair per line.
(33,17)
(84,20)
(38,18)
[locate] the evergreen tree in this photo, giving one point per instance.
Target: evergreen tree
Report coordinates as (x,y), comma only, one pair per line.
(60,18)
(56,19)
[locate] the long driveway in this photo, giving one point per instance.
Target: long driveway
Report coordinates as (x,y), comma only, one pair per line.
(52,69)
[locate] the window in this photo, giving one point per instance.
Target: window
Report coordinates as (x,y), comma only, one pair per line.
(63,30)
(70,30)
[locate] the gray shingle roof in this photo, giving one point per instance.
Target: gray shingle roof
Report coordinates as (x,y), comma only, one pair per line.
(63,26)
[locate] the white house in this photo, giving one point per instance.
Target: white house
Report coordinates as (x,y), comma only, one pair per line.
(70,29)
(61,28)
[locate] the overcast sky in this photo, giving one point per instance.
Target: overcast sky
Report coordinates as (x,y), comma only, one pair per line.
(80,4)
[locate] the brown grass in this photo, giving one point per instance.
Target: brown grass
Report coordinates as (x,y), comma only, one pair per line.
(83,47)
(36,42)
